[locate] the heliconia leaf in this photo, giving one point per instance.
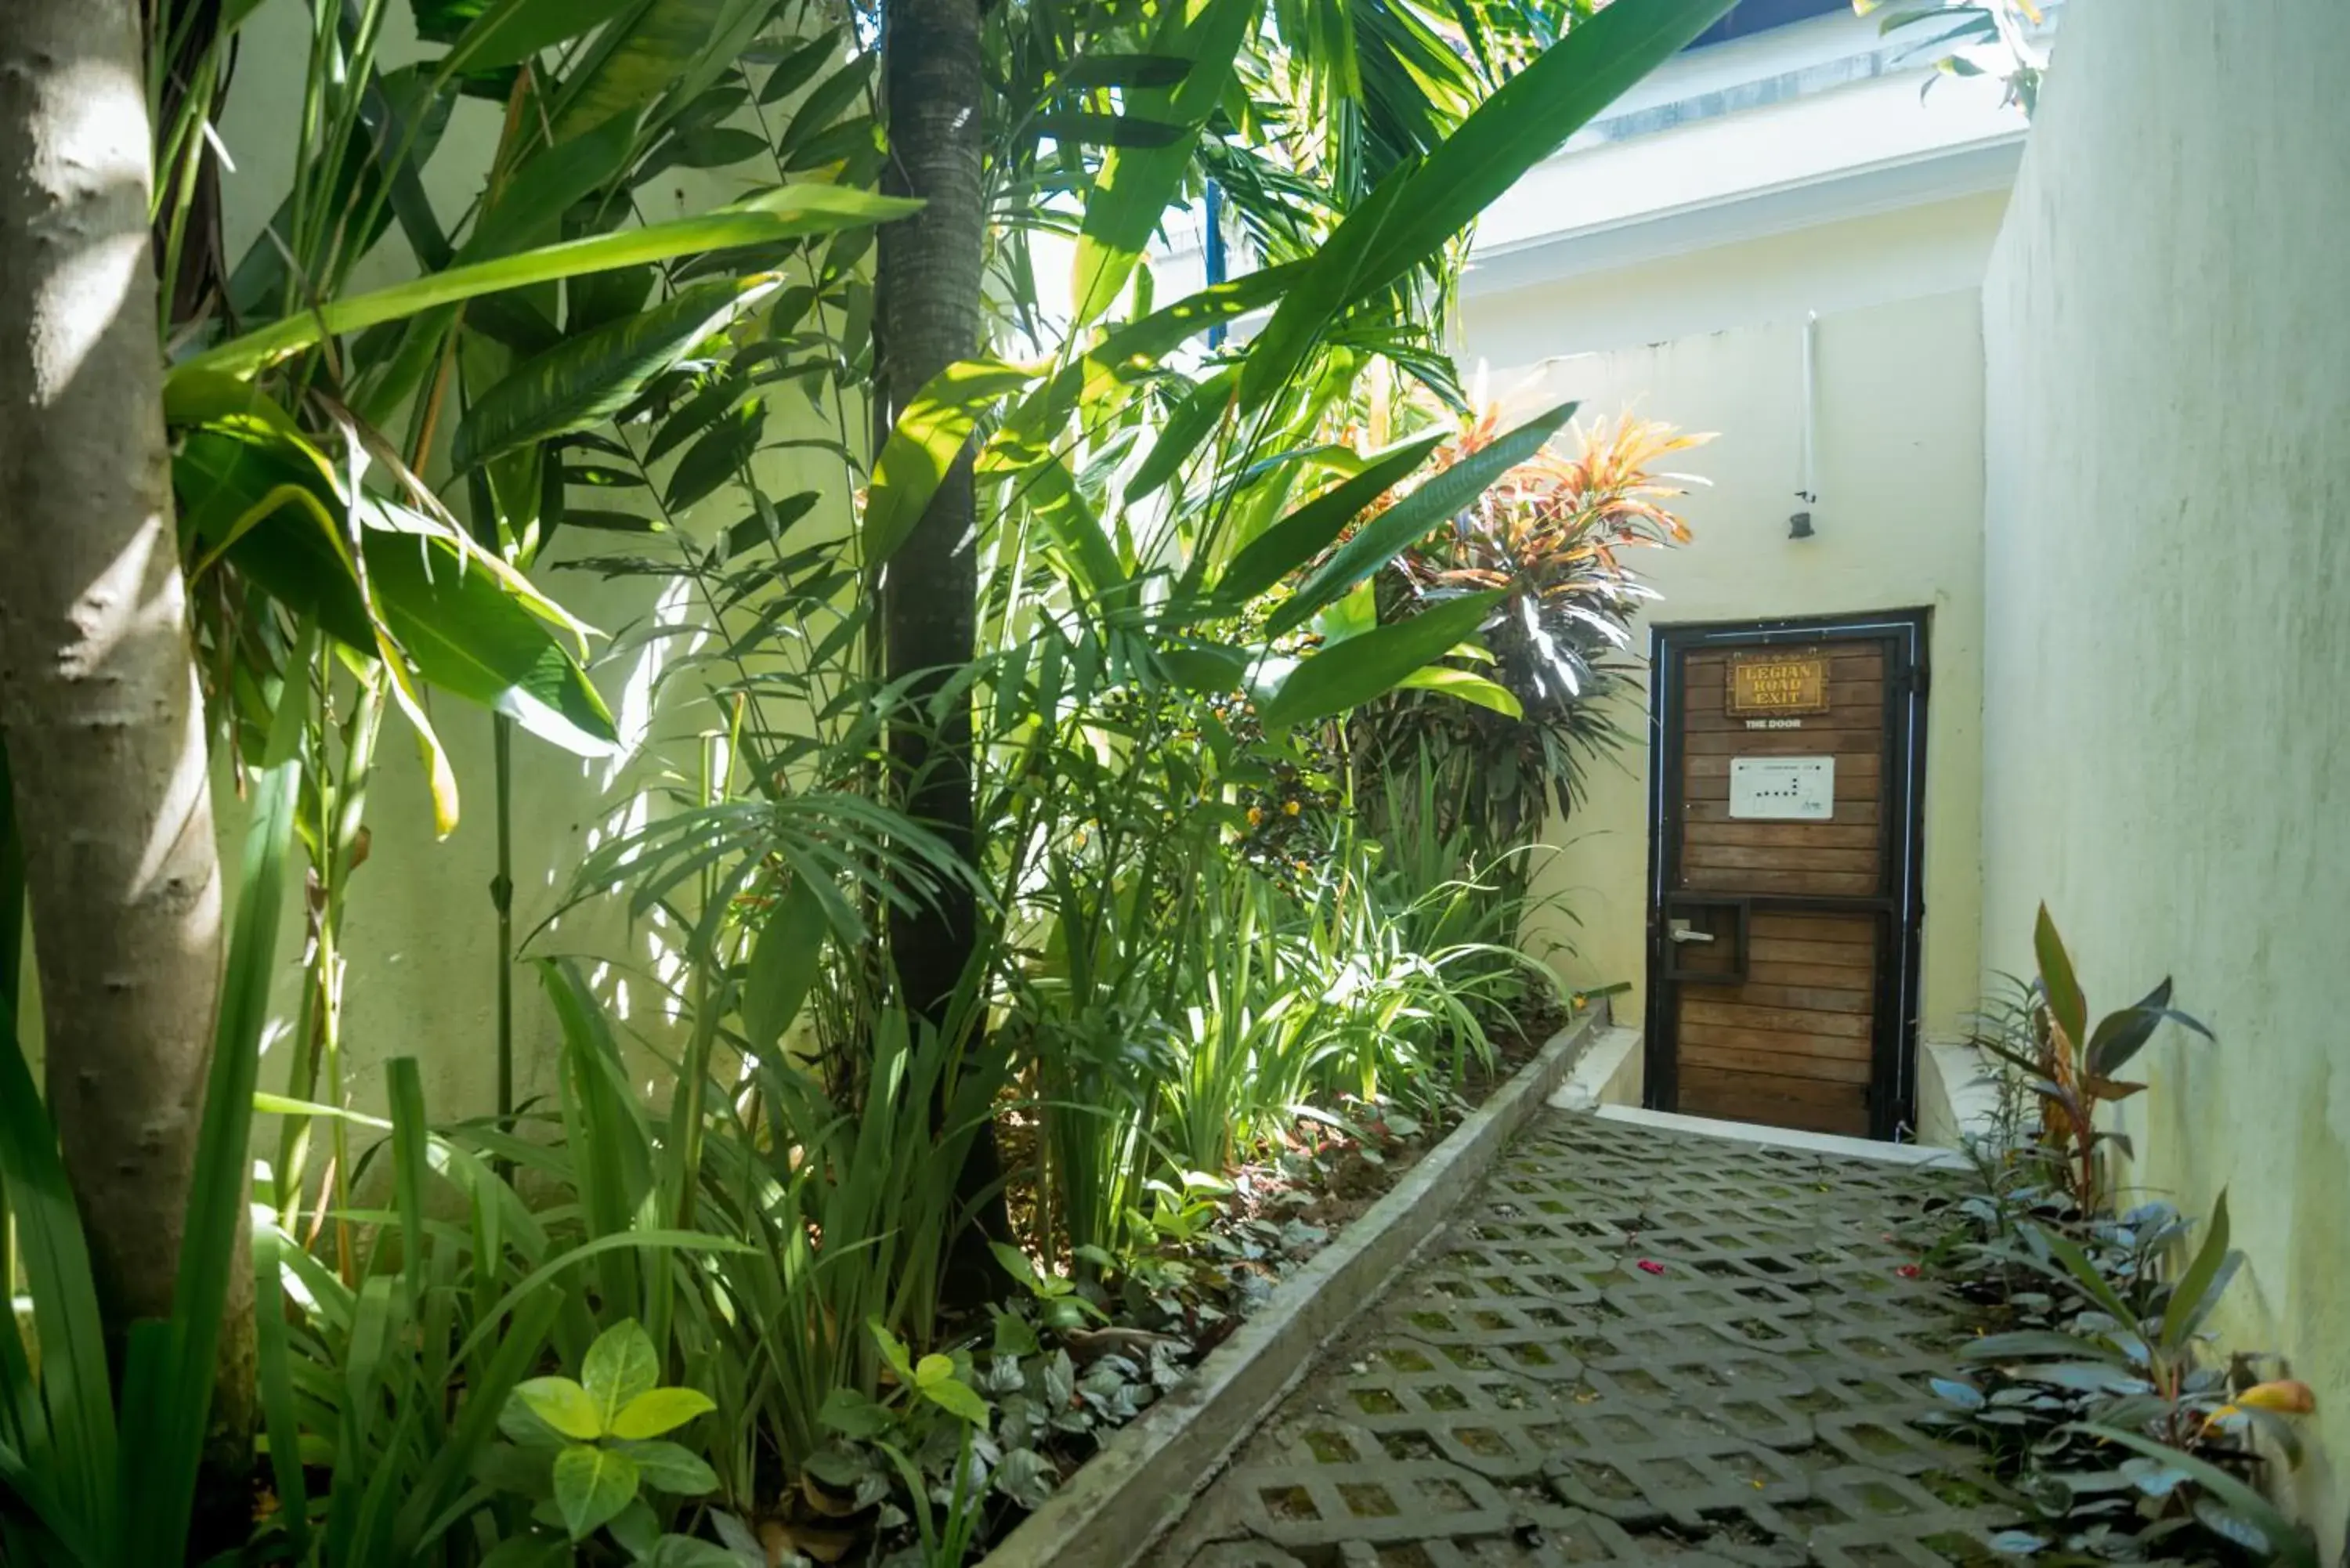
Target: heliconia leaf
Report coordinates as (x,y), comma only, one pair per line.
(592,376)
(2066,1006)
(592,1484)
(1341,679)
(1135,184)
(1298,537)
(2197,1290)
(2285,1395)
(1467,686)
(471,637)
(509,32)
(1418,515)
(786,212)
(1419,209)
(924,444)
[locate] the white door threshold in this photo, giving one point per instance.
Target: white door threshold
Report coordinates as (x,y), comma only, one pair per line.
(1911,1154)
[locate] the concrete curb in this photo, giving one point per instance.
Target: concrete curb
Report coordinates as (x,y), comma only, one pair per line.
(1146,1476)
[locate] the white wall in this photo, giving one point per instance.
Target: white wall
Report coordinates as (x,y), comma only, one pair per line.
(1898,525)
(2167,320)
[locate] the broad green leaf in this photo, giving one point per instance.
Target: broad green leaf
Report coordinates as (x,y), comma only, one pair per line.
(511,31)
(2065,1003)
(591,1485)
(1132,191)
(958,1400)
(592,376)
(1417,516)
(471,637)
(659,1410)
(1297,538)
(782,967)
(893,1351)
(854,1415)
(934,1369)
(1468,686)
(1419,209)
(621,1367)
(563,1405)
(1341,679)
(783,213)
(924,444)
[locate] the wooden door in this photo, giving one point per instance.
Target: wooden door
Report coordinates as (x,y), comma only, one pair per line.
(1784,891)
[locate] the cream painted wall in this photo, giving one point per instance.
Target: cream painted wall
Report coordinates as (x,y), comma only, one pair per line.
(419,930)
(1899,526)
(1933,248)
(2168,334)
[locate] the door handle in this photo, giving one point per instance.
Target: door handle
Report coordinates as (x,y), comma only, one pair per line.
(1682,933)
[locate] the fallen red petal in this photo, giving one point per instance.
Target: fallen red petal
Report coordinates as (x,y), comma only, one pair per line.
(1650,1266)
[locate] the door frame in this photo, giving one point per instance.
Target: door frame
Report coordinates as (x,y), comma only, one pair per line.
(1899,901)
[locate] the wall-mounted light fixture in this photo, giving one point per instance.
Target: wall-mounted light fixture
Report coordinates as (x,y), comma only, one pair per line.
(1799,525)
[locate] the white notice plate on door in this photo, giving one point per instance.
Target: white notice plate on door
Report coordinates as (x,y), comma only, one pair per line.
(1782,789)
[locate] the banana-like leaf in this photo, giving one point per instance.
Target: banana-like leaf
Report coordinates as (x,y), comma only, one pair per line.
(594,376)
(1417,516)
(1468,686)
(511,31)
(1419,209)
(1338,680)
(470,636)
(1132,191)
(929,436)
(787,213)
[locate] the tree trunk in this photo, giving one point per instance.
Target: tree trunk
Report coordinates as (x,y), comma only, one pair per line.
(98,699)
(927,310)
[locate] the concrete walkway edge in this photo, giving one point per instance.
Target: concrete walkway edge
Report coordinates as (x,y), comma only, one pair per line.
(1146,1476)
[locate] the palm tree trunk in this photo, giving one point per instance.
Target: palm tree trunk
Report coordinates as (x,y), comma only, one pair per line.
(98,699)
(927,310)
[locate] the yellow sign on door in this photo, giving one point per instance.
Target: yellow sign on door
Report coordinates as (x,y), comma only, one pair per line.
(1771,683)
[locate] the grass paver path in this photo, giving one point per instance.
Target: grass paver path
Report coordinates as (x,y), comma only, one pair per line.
(1632,1345)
